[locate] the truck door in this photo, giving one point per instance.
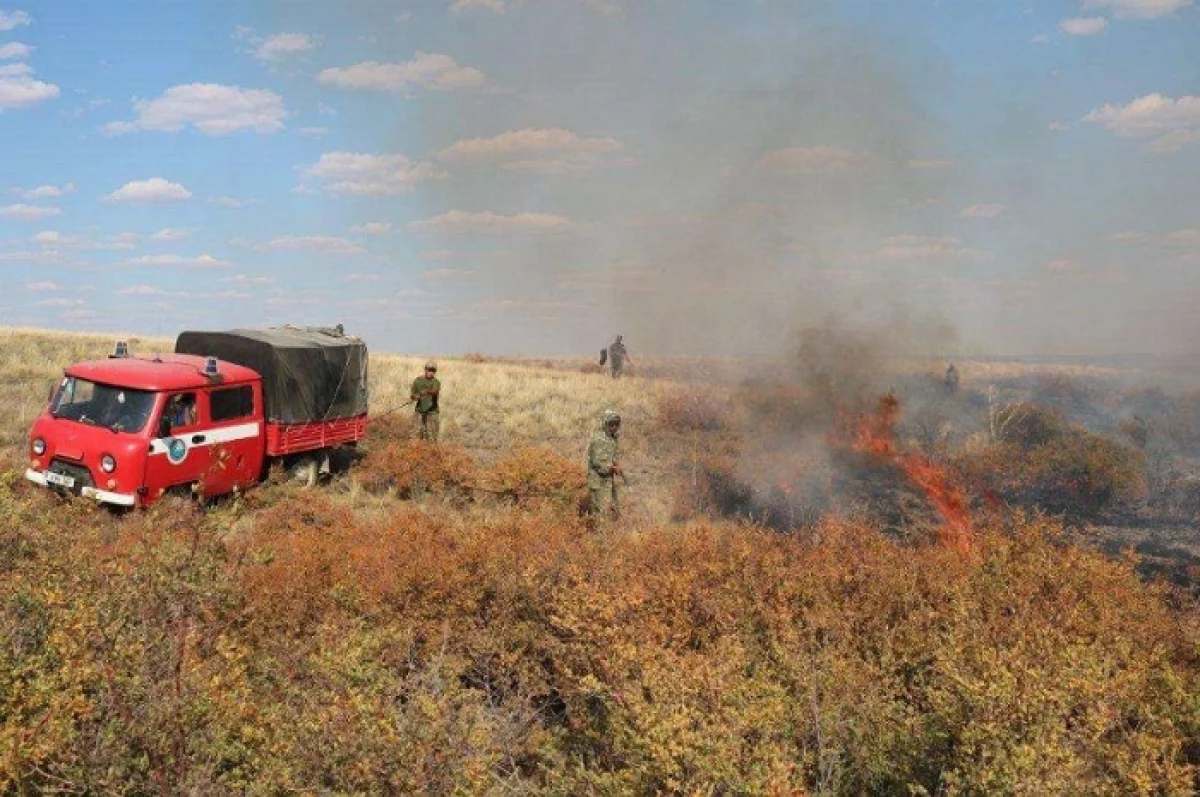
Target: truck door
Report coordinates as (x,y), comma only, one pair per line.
(179,451)
(235,438)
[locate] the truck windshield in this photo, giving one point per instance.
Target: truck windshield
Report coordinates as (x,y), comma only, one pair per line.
(118,408)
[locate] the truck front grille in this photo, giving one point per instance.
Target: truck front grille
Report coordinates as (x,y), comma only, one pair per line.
(81,475)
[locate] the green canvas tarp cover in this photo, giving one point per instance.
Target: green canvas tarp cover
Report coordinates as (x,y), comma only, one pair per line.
(309,374)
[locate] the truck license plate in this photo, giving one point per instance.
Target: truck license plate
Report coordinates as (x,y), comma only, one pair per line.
(60,480)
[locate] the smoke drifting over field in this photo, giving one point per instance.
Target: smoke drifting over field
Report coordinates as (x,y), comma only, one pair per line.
(730,215)
(709,179)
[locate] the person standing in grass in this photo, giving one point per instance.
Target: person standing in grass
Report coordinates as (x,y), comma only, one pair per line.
(424,394)
(617,355)
(603,469)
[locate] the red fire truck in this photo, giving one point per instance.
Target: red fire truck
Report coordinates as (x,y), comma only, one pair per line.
(207,420)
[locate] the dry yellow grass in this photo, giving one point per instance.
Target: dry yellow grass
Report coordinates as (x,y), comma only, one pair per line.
(487,407)
(490,407)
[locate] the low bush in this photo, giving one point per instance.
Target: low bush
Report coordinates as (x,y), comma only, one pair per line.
(693,409)
(1074,473)
(322,649)
(538,476)
(411,467)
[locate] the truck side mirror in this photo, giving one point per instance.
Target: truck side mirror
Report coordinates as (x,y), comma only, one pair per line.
(164,426)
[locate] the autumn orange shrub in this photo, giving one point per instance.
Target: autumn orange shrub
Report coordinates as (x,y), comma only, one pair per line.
(411,467)
(307,646)
(538,476)
(392,428)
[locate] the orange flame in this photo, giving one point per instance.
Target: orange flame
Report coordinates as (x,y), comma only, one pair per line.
(876,436)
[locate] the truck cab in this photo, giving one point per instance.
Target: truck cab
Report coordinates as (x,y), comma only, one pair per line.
(127,430)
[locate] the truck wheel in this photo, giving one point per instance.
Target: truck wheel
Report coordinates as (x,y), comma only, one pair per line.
(305,471)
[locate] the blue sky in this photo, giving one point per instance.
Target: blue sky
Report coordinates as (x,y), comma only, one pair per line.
(534,176)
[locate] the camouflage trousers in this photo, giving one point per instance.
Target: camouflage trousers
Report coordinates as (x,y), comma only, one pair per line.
(618,366)
(602,501)
(428,425)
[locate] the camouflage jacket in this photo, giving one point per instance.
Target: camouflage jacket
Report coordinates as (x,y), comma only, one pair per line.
(602,455)
(425,393)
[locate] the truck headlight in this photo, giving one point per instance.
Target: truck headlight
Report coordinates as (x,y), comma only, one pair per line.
(39,446)
(107,463)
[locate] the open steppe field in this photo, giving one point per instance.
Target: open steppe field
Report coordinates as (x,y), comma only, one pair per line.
(811,590)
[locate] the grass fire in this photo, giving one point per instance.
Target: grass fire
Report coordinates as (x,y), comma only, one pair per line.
(926,593)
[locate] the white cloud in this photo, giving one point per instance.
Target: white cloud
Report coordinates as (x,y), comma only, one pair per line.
(808,160)
(231,202)
(436,255)
(44,191)
(14,51)
(923,249)
(60,302)
(18,87)
(243,279)
(156,189)
(325,244)
(982,211)
(143,290)
(48,238)
(200,261)
(1137,9)
(211,108)
(461,222)
(429,71)
(462,6)
(54,240)
(44,257)
(545,151)
(172,234)
(43,286)
(13,19)
(1041,38)
(364,277)
(372,228)
(370,175)
(279,46)
(1166,125)
(313,132)
(1083,26)
(28,212)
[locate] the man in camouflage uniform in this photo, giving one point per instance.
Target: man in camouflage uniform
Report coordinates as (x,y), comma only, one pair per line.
(617,355)
(603,469)
(424,393)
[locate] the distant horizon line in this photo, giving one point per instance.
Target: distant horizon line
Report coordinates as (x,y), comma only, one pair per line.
(944,356)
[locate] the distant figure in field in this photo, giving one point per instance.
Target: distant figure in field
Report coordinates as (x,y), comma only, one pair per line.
(603,468)
(950,381)
(424,393)
(617,355)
